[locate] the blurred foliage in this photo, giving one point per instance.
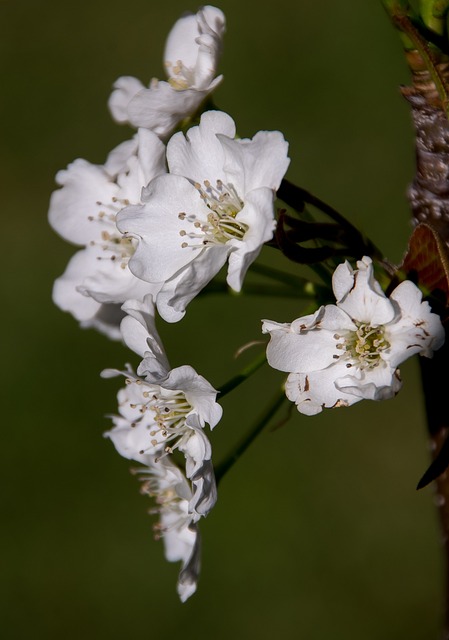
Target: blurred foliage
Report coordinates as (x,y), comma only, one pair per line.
(318,532)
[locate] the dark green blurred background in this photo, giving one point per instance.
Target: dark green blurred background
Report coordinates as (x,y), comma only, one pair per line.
(319,532)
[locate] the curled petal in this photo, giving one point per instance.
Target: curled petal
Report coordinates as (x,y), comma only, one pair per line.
(381,383)
(125,88)
(315,391)
(140,334)
(417,329)
(191,560)
(177,292)
(258,216)
(161,107)
(360,295)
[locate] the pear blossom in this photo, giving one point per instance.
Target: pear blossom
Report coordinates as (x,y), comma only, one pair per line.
(215,204)
(346,352)
(97,279)
(165,482)
(161,410)
(191,56)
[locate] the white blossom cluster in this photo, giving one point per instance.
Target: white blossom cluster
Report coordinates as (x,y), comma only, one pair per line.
(154,225)
(162,410)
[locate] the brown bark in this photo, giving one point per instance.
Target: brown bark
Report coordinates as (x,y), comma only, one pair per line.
(429,200)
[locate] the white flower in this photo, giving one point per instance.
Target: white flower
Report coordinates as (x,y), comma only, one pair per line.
(165,482)
(349,351)
(161,410)
(217,203)
(191,57)
(97,279)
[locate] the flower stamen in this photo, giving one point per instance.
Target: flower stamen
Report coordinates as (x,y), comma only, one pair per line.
(224,204)
(365,345)
(169,420)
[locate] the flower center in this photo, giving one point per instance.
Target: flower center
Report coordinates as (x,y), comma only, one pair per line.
(221,224)
(180,76)
(171,412)
(365,345)
(167,501)
(170,409)
(119,247)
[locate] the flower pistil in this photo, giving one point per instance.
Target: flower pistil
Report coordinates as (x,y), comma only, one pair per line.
(364,347)
(220,225)
(169,409)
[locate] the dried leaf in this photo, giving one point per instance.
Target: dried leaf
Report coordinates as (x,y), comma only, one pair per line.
(427,260)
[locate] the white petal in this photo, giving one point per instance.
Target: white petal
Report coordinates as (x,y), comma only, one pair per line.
(297,326)
(314,391)
(161,107)
(199,155)
(125,88)
(258,214)
(142,167)
(74,209)
(205,490)
(197,451)
(380,383)
(417,330)
(152,369)
(118,158)
(333,319)
(151,155)
(211,25)
(135,442)
(199,393)
(181,43)
(309,343)
(70,295)
(139,332)
(211,19)
(194,43)
(271,325)
(179,542)
(260,162)
(342,280)
(177,292)
(302,353)
(103,278)
(65,290)
(363,300)
(156,224)
(85,208)
(188,576)
(196,448)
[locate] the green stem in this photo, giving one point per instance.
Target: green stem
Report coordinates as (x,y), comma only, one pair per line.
(429,59)
(297,197)
(243,375)
(303,287)
(433,13)
(258,426)
(323,273)
(430,55)
(258,290)
(396,8)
